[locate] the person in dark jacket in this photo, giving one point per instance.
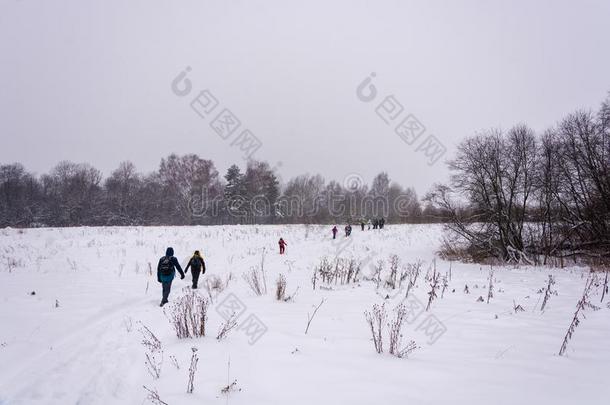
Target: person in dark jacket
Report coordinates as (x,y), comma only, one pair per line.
(197,266)
(283,245)
(335,230)
(166,271)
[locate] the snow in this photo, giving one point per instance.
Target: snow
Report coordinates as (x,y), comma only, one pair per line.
(77,339)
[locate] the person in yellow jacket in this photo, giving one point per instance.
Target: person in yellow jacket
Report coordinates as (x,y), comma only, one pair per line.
(197,266)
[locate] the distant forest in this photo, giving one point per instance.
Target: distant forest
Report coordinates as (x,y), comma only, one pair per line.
(188,190)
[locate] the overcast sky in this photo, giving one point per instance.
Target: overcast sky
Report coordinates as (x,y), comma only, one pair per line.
(90,81)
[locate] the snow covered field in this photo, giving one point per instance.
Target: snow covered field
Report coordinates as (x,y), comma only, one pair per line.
(74,301)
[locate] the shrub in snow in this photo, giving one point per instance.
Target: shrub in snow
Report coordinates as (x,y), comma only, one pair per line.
(395,330)
(517,307)
(376,319)
(154,351)
(214,285)
(256,280)
(433,287)
(338,271)
(413,270)
(12,263)
(445,285)
(188,315)
(392,282)
(280,288)
(230,388)
(490,290)
(377,270)
(174,361)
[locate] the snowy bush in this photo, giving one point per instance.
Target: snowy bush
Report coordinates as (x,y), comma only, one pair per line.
(216,284)
(338,271)
(280,288)
(188,316)
(256,280)
(376,319)
(392,281)
(154,351)
(433,287)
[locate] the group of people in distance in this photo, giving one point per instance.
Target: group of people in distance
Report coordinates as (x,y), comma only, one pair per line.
(376,223)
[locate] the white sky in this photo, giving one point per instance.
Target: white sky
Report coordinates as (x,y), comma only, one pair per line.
(89,81)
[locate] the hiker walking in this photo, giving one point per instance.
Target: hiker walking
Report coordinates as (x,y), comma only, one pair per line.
(197,266)
(166,271)
(348,230)
(362,224)
(335,230)
(283,245)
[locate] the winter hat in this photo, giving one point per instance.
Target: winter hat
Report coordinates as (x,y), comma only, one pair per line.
(169,251)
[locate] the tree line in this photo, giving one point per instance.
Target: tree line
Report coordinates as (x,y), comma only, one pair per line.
(188,190)
(526,197)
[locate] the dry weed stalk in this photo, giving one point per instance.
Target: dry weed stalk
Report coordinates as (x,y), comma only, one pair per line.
(376,319)
(153,396)
(310,318)
(583,302)
(227,326)
(192,370)
(548,292)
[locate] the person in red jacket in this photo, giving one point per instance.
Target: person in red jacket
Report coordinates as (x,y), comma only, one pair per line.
(283,245)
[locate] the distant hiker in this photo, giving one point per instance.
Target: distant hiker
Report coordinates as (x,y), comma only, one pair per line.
(381,223)
(166,271)
(335,230)
(348,230)
(375,223)
(362,224)
(369,224)
(283,245)
(197,266)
